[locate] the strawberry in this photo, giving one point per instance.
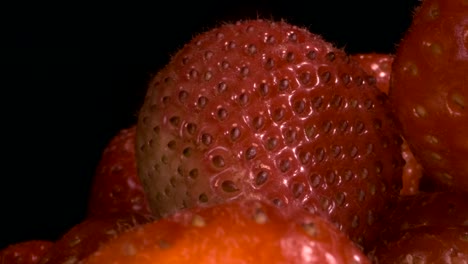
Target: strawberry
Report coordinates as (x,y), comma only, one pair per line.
(426,245)
(86,237)
(438,209)
(379,67)
(261,108)
(426,226)
(116,186)
(245,231)
(429,90)
(26,252)
(412,171)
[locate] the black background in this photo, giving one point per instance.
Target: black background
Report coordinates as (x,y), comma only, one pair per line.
(76,74)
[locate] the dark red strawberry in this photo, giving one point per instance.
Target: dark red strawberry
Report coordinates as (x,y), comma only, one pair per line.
(440,209)
(236,232)
(427,226)
(27,252)
(429,90)
(87,236)
(267,109)
(116,186)
(412,171)
(379,67)
(426,245)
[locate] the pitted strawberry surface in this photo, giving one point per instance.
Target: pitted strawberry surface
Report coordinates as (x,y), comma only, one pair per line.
(267,109)
(379,68)
(261,142)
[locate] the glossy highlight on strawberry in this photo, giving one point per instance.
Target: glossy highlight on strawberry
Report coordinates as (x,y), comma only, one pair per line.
(378,66)
(266,109)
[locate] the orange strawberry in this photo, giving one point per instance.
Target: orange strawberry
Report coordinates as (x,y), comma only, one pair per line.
(234,232)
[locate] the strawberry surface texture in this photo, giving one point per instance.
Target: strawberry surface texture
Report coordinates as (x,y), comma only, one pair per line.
(242,231)
(429,91)
(116,187)
(262,108)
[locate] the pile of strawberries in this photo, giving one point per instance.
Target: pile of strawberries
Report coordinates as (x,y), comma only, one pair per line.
(260,142)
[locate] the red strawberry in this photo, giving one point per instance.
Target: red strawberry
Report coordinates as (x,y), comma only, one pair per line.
(426,245)
(428,226)
(27,252)
(116,186)
(379,67)
(236,232)
(87,236)
(429,90)
(267,109)
(440,209)
(412,171)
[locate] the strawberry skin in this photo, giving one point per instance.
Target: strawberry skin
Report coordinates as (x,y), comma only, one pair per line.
(429,90)
(87,236)
(437,209)
(267,109)
(116,186)
(426,226)
(379,67)
(27,252)
(234,232)
(426,245)
(412,171)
